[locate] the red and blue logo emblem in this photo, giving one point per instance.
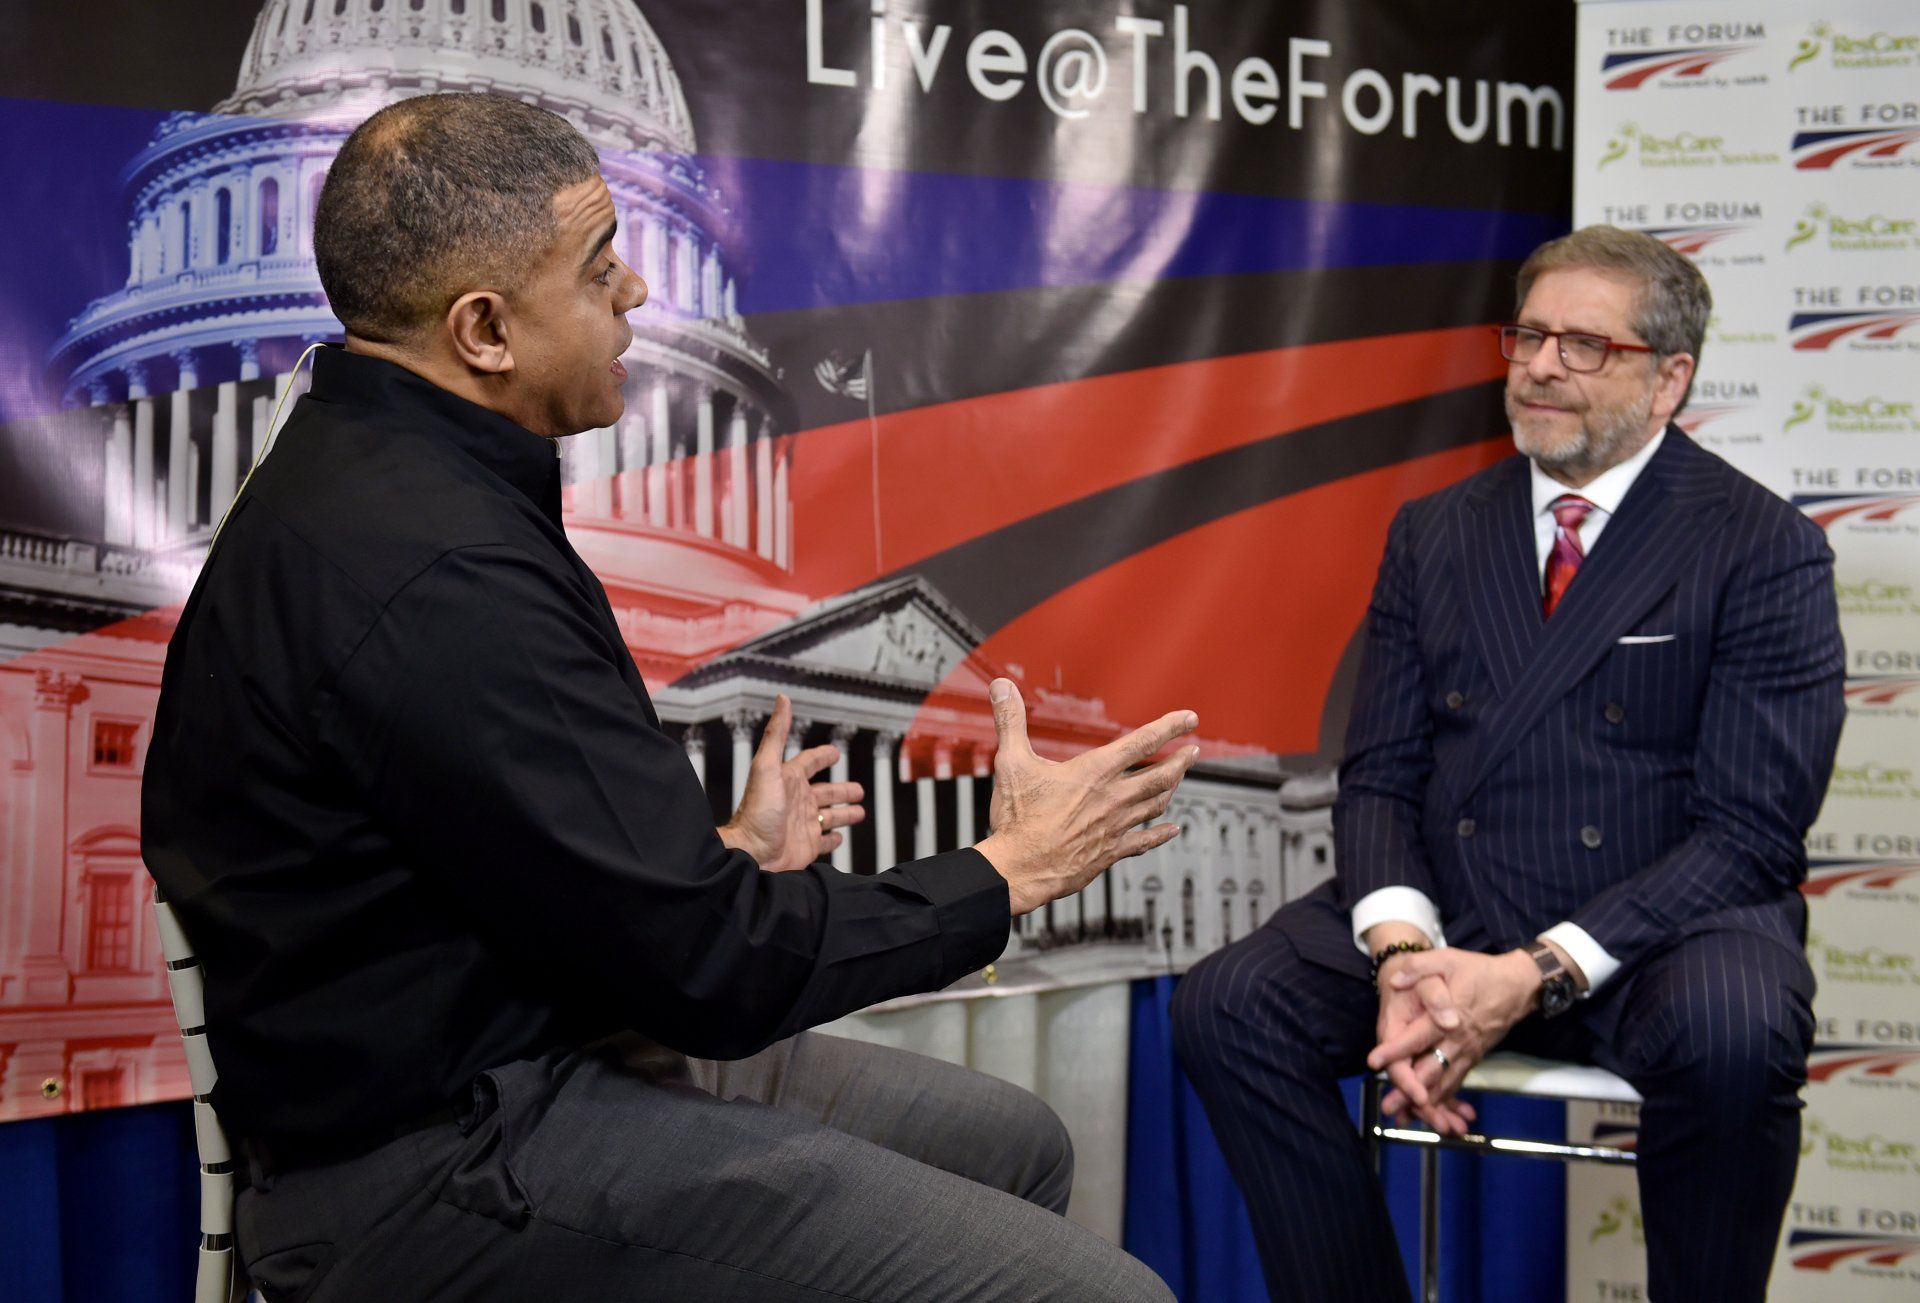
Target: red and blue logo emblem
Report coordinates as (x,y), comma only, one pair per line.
(1698,415)
(1867,875)
(1822,1250)
(1887,691)
(1830,1061)
(1813,331)
(1820,150)
(1691,240)
(1632,69)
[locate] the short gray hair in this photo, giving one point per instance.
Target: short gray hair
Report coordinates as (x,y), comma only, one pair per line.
(1671,300)
(436,196)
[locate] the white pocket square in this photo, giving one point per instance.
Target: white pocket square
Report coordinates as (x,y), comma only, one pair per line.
(1641,639)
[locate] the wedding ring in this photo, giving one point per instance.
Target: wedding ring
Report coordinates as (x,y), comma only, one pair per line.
(821,815)
(1441,1055)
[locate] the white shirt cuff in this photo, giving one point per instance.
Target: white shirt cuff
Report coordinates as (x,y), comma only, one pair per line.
(1596,963)
(1398,905)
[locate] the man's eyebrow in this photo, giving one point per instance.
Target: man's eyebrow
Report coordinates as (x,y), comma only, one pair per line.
(606,238)
(1535,324)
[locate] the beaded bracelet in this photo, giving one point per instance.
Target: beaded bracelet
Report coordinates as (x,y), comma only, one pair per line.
(1397,948)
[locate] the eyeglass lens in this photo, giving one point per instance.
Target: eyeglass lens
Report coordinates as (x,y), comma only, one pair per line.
(1577,352)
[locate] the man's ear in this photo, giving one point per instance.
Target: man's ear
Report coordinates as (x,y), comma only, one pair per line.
(477,326)
(1670,384)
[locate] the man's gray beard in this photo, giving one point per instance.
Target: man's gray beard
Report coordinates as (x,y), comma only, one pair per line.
(1603,435)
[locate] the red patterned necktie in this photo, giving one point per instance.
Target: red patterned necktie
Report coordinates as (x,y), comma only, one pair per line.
(1563,561)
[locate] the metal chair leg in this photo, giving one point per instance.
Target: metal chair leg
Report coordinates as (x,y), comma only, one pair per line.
(1429,1224)
(1370,1119)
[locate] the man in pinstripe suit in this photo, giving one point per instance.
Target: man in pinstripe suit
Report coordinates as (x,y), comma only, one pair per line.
(1596,714)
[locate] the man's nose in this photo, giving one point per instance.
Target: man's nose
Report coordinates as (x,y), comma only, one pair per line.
(634,293)
(1546,364)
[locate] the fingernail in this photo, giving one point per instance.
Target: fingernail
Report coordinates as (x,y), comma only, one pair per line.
(1193,720)
(1447,1018)
(999,690)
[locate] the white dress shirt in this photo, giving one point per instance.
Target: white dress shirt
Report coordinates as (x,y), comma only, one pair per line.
(1411,905)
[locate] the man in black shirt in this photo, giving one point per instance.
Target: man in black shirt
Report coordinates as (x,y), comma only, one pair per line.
(462,912)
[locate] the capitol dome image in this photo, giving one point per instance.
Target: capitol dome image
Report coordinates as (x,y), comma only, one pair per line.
(684,508)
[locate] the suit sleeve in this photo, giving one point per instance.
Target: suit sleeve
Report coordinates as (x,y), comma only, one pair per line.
(506,754)
(1389,748)
(1768,729)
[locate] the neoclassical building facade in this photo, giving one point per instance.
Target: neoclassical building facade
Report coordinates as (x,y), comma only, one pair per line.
(684,508)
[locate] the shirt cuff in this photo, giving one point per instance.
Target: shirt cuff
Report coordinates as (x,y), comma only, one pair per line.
(1595,962)
(971,899)
(1396,905)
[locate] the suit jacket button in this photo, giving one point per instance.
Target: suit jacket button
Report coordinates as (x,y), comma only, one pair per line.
(1615,713)
(1466,827)
(1455,700)
(1590,837)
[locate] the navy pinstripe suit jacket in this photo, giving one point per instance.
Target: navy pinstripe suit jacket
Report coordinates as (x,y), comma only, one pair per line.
(1644,764)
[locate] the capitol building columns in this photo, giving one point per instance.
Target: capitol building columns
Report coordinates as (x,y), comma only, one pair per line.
(842,772)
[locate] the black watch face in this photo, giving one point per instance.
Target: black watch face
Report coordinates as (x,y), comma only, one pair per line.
(1556,996)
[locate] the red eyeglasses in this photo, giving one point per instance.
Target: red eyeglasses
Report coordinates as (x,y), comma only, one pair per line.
(1578,351)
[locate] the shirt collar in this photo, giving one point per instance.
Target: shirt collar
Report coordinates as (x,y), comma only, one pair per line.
(1606,492)
(527,461)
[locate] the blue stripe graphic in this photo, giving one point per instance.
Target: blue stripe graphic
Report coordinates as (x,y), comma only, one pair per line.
(815,236)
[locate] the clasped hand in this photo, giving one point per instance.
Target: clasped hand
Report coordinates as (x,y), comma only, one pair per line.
(1458,1002)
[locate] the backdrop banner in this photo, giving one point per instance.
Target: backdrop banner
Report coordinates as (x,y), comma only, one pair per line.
(1777,143)
(1090,342)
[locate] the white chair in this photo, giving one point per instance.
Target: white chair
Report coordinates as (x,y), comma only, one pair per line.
(216,1280)
(1501,1073)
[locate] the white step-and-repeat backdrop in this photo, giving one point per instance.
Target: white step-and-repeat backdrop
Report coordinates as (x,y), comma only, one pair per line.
(1778,144)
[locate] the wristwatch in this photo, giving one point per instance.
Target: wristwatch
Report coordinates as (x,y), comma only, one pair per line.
(1557,991)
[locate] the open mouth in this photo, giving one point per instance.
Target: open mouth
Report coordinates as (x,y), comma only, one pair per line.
(619,369)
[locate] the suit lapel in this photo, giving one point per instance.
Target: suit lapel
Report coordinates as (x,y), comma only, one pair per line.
(1494,549)
(1636,561)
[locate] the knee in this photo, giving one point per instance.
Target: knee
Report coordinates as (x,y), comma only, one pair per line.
(1228,1006)
(1728,1054)
(1050,1158)
(1203,1001)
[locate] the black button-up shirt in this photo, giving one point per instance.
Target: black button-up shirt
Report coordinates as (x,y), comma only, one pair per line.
(414,808)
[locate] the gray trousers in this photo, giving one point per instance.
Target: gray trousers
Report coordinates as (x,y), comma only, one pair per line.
(818,1169)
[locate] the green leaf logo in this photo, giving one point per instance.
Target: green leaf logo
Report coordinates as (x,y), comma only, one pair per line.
(1809,45)
(1616,147)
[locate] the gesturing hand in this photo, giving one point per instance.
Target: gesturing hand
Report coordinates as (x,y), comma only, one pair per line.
(786,820)
(1057,825)
(1489,993)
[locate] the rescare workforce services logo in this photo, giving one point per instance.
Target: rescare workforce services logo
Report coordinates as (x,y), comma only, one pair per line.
(1873,331)
(1619,1216)
(1863,1153)
(1870,1067)
(1686,66)
(1856,148)
(1824,1250)
(1818,408)
(1868,965)
(1719,332)
(1872,781)
(1858,233)
(1878,597)
(1680,149)
(1856,50)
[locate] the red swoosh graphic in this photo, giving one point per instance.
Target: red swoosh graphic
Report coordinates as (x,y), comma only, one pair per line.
(1266,601)
(954,471)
